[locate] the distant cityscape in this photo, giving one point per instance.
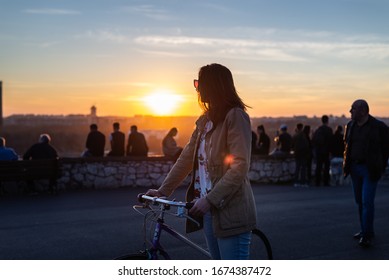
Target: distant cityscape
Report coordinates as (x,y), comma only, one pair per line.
(69,132)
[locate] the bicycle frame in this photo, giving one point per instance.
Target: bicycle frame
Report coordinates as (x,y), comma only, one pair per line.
(156,247)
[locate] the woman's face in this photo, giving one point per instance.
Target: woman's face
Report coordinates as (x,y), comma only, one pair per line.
(201,89)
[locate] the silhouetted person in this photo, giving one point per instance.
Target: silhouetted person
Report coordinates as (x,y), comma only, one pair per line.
(254,145)
(365,159)
(337,148)
(5,152)
(117,140)
(284,140)
(307,132)
(169,145)
(41,150)
(136,145)
(5,155)
(300,147)
(95,143)
(263,142)
(322,139)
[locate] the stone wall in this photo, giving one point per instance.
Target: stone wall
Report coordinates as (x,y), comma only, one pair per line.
(151,171)
(267,169)
(98,173)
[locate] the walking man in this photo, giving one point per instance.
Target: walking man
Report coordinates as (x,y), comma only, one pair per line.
(365,159)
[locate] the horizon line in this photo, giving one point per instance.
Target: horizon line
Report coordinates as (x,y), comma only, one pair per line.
(175,116)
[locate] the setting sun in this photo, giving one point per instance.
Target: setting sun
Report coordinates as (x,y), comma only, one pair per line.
(162,102)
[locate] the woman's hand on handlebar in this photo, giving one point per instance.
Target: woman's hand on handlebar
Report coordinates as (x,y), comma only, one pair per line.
(154,192)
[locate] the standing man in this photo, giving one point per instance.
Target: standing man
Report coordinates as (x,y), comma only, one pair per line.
(365,159)
(117,141)
(95,143)
(322,139)
(136,145)
(300,147)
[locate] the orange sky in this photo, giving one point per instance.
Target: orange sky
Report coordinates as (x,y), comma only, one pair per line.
(299,58)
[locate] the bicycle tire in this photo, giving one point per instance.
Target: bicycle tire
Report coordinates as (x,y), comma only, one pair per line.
(265,241)
(134,256)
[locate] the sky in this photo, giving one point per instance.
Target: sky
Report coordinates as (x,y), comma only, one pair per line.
(288,57)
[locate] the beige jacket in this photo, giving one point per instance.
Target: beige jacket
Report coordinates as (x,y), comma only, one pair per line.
(228,149)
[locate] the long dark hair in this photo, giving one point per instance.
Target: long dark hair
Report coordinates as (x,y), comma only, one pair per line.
(217,93)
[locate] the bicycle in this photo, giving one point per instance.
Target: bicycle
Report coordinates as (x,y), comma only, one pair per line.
(157,209)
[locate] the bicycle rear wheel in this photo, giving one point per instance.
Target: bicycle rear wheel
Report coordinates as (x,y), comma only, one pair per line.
(260,248)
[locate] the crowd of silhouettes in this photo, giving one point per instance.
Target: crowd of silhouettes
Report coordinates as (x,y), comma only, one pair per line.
(322,146)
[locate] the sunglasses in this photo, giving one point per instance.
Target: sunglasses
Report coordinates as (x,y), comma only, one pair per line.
(196,84)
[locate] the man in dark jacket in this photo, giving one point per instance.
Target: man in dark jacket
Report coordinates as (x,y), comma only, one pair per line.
(322,139)
(300,146)
(136,145)
(95,143)
(41,150)
(365,159)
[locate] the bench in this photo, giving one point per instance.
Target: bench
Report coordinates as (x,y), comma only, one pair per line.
(28,171)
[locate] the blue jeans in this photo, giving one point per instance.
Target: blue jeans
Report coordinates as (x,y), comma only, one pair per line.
(300,171)
(236,247)
(364,192)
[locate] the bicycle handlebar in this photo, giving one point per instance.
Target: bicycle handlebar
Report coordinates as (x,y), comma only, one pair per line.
(143,198)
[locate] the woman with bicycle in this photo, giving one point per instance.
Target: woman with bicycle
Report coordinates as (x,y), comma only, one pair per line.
(218,153)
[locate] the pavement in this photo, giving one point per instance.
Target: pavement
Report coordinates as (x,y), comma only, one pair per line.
(315,223)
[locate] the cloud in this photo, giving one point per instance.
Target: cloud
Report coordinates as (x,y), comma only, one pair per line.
(107,35)
(271,49)
(262,45)
(149,11)
(49,11)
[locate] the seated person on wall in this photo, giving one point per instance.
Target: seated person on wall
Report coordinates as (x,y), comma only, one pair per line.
(95,143)
(263,145)
(283,141)
(5,155)
(41,150)
(5,152)
(117,141)
(169,145)
(136,145)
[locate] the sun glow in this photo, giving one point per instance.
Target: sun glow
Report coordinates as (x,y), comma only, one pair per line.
(163,102)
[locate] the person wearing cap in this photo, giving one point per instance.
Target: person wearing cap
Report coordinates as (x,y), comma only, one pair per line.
(284,140)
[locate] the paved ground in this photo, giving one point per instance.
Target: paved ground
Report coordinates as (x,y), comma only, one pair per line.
(301,223)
